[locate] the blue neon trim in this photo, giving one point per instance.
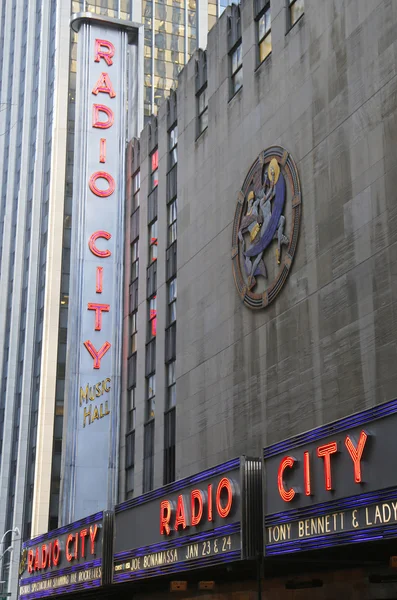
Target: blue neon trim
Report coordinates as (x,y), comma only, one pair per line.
(62,530)
(332,506)
(179,485)
(366,416)
(336,539)
(75,587)
(65,571)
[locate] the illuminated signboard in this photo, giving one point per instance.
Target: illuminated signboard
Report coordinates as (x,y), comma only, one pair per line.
(333,485)
(68,559)
(93,366)
(210,518)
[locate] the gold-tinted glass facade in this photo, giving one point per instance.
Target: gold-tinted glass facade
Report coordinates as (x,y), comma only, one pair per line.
(170,39)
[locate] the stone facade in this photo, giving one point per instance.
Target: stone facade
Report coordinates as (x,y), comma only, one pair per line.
(327,345)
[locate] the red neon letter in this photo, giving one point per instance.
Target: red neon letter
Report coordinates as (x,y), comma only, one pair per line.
(104,85)
(99,280)
(93,532)
(91,244)
(102,150)
(107,56)
(224,484)
(30,561)
(180,518)
(95,189)
(209,501)
(306,473)
(83,535)
(326,451)
(97,355)
(196,517)
(96,122)
(286,495)
(356,454)
(69,557)
(99,308)
(56,552)
(37,560)
(165,517)
(49,553)
(43,556)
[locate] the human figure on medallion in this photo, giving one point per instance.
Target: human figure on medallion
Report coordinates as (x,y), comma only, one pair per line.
(264,223)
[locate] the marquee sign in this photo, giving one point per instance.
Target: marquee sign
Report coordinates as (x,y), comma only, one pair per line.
(93,367)
(68,559)
(203,520)
(333,485)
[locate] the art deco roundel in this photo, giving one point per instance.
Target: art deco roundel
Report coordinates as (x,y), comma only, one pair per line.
(266,227)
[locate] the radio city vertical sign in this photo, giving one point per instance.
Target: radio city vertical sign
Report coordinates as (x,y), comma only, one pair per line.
(333,485)
(94,343)
(209,518)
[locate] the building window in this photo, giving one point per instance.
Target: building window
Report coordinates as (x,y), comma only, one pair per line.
(264,34)
(202,110)
(154,172)
(172,301)
(237,68)
(136,186)
(134,260)
(173,150)
(148,456)
(296,10)
(129,462)
(172,211)
(130,444)
(131,410)
(153,241)
(133,332)
(169,446)
(152,317)
(171,385)
(151,397)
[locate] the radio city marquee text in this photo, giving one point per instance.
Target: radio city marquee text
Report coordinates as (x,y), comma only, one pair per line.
(79,545)
(53,583)
(324,453)
(364,517)
(190,511)
(102,118)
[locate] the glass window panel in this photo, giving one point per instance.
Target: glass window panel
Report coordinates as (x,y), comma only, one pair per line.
(265,47)
(153,253)
(237,80)
(171,373)
(173,137)
(172,212)
(236,58)
(172,312)
(172,396)
(172,290)
(155,160)
(151,386)
(297,9)
(202,101)
(137,181)
(155,179)
(203,121)
(172,233)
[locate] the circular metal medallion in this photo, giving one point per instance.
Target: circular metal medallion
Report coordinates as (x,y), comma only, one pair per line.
(266,227)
